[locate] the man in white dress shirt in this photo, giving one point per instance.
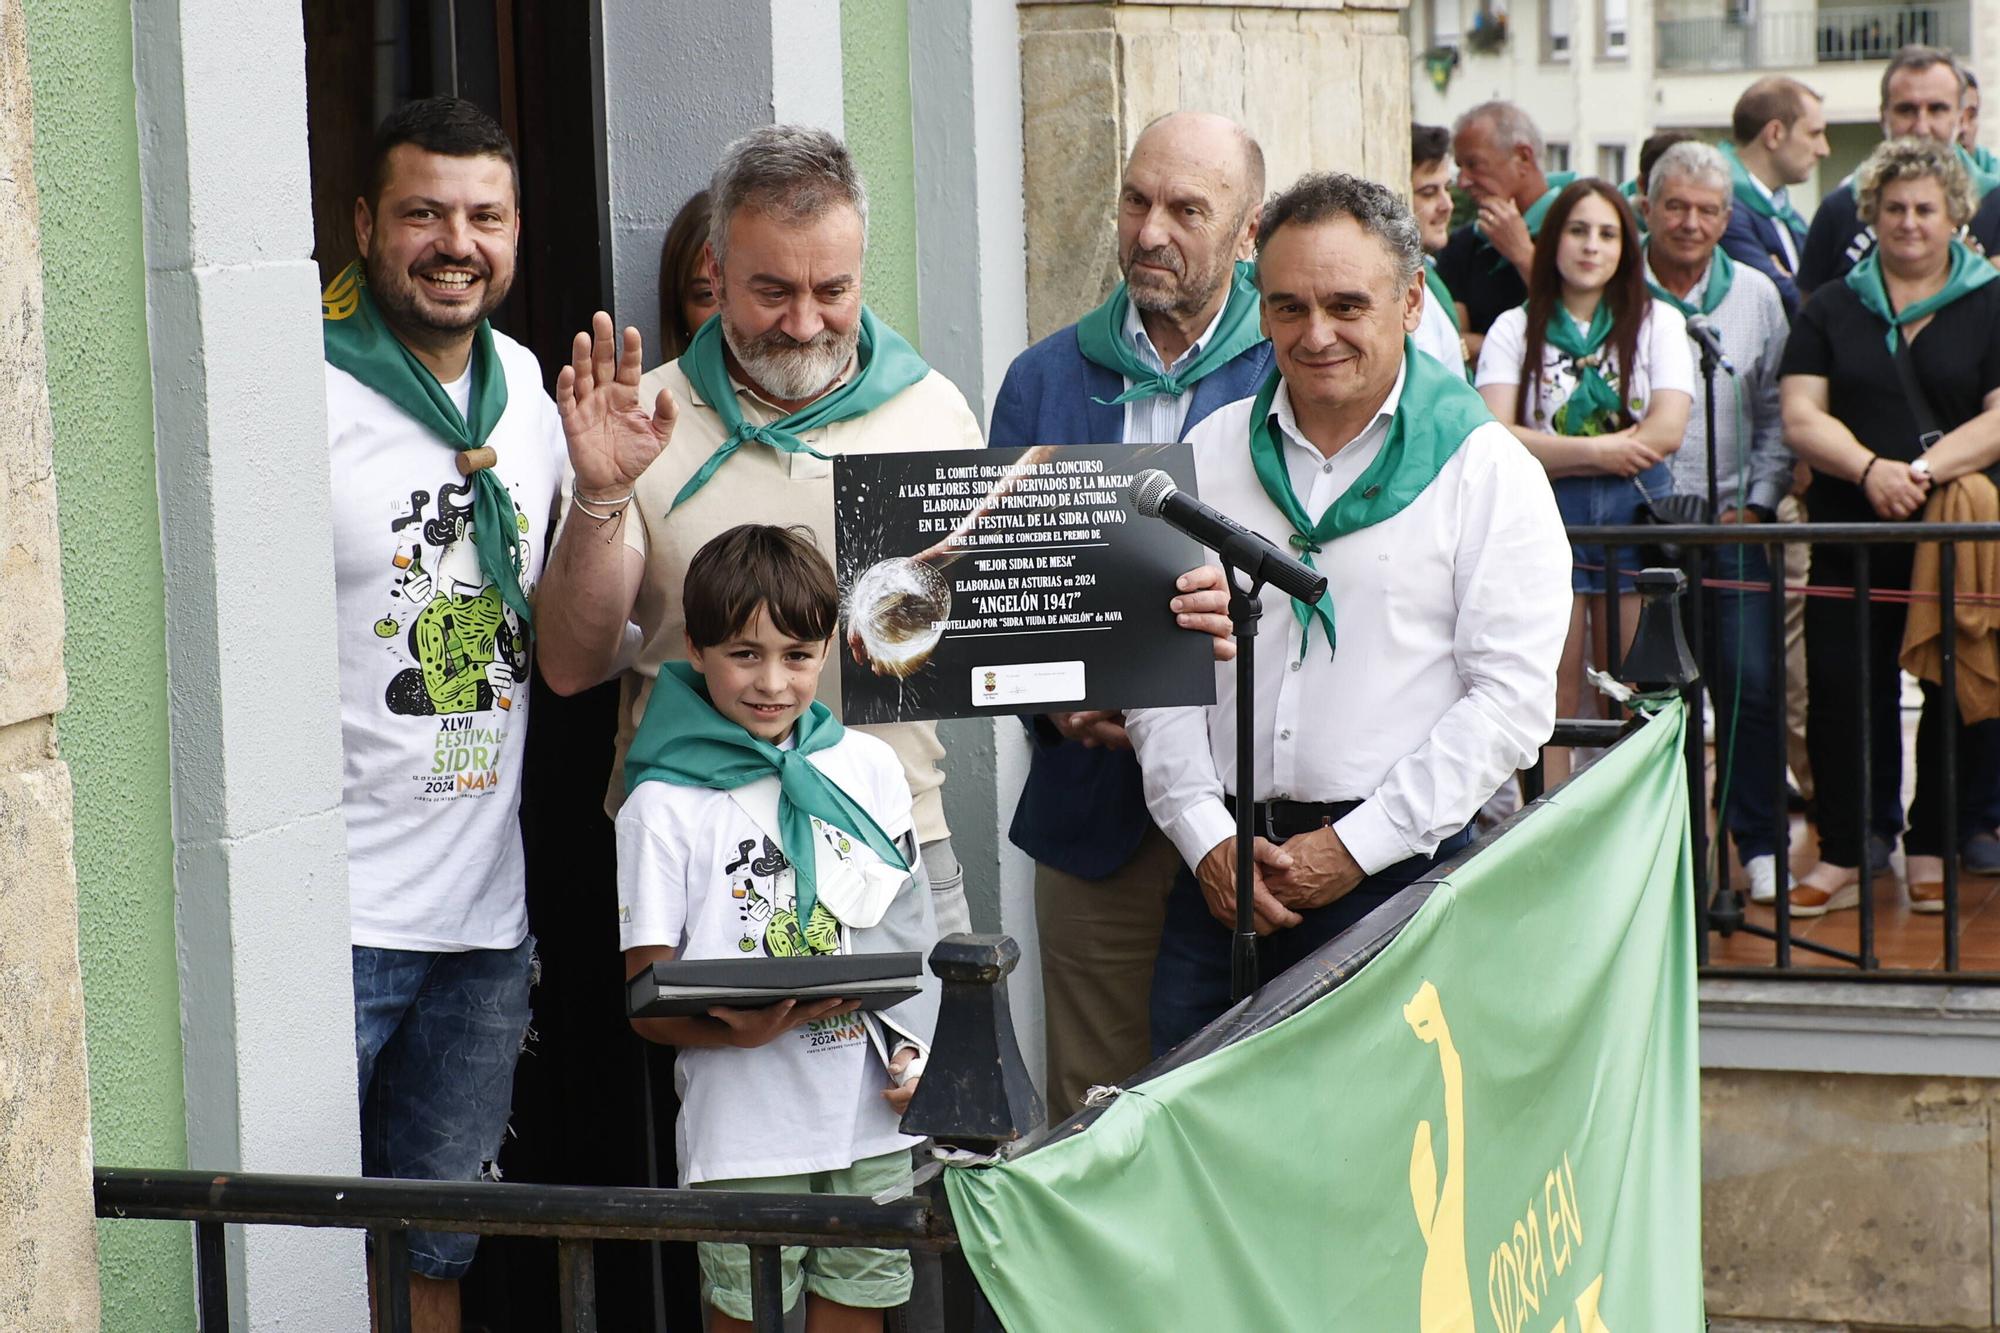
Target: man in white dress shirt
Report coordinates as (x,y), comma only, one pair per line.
(1390,711)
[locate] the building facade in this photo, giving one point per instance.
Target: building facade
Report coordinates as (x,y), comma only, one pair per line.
(1599,76)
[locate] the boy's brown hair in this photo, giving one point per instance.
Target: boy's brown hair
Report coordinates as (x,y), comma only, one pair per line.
(756,565)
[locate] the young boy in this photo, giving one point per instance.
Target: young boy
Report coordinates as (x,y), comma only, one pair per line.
(718,857)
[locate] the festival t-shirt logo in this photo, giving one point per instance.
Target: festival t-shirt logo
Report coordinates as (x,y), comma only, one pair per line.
(464,651)
(767,909)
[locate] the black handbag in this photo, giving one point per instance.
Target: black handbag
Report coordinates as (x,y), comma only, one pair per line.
(1672,509)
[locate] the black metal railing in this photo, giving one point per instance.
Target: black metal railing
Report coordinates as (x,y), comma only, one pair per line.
(1721,908)
(1806,35)
(975,1095)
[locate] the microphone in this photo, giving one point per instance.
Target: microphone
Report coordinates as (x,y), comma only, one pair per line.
(1710,339)
(1155,495)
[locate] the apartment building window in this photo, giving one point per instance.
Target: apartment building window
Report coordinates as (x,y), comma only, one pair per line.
(1446,22)
(1613,15)
(1555,157)
(1555,29)
(1611,161)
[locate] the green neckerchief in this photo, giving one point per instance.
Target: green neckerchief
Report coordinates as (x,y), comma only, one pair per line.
(1630,190)
(1437,411)
(1968,273)
(1558,181)
(683,740)
(1593,395)
(1981,165)
(1441,294)
(358,342)
(1721,275)
(885,366)
(1100,335)
(1751,194)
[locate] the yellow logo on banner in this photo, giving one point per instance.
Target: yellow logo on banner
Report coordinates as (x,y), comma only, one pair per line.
(1446,1303)
(1517,1280)
(342,296)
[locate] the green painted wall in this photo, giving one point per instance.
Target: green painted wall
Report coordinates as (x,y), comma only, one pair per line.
(875,101)
(114,732)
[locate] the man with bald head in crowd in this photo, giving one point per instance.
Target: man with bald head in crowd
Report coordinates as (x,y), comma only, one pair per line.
(1485,264)
(1177,338)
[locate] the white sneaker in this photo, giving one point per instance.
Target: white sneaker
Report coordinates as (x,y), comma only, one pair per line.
(1763,874)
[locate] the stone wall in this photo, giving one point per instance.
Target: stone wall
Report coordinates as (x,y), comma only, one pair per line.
(48,1267)
(1838,1202)
(1323,85)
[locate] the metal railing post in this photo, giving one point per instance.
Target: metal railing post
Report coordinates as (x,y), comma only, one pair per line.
(767,1289)
(392,1279)
(211,1272)
(976,1094)
(1948,687)
(1863,675)
(576,1273)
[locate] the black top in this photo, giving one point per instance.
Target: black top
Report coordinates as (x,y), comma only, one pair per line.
(1839,240)
(1957,359)
(1836,242)
(1488,285)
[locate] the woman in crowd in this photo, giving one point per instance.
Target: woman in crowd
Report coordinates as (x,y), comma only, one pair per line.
(1921,296)
(686,297)
(1596,378)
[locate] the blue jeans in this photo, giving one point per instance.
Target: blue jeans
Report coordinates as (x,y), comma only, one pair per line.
(1736,650)
(1191,976)
(435,1040)
(1605,501)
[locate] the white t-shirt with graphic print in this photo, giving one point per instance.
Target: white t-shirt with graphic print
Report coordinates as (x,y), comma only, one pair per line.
(1664,359)
(433,667)
(697,873)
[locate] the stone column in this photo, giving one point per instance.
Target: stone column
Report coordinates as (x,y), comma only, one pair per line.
(260,848)
(1324,85)
(48,1269)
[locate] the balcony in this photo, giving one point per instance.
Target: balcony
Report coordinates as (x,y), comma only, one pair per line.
(1791,38)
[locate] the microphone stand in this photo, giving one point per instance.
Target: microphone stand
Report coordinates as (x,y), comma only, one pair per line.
(1725,910)
(1246,608)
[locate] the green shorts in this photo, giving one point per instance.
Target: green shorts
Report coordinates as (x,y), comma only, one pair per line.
(867,1279)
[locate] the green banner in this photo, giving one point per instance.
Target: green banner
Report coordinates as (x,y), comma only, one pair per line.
(1493,1127)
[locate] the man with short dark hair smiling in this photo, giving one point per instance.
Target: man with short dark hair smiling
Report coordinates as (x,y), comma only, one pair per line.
(446,457)
(1390,710)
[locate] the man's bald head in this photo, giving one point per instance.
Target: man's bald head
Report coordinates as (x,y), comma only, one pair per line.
(1187,211)
(1193,133)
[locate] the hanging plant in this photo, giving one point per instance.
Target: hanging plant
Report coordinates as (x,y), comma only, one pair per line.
(1439,63)
(1488,31)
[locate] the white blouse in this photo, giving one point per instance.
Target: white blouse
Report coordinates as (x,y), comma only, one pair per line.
(1665,361)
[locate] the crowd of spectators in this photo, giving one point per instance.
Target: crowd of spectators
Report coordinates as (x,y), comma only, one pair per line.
(1420,409)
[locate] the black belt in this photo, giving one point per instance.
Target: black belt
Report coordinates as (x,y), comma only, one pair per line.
(1279,820)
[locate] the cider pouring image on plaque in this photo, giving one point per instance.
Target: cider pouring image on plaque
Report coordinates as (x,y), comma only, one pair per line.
(1011,581)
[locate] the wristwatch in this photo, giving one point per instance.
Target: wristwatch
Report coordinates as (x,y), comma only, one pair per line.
(1922,467)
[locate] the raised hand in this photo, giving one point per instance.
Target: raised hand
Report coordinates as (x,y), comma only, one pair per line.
(612,439)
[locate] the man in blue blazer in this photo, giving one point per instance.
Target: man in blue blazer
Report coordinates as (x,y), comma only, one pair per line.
(1178,338)
(1779,128)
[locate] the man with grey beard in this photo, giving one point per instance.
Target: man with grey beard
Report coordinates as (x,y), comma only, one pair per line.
(791,370)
